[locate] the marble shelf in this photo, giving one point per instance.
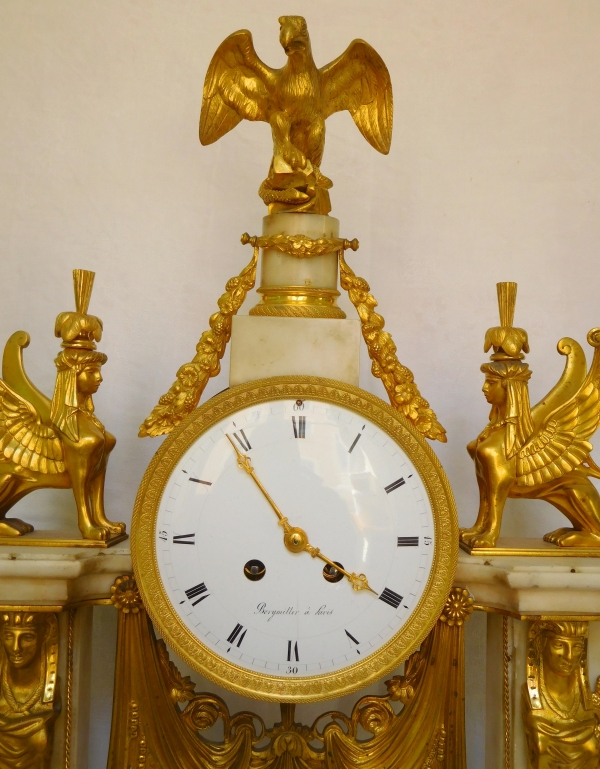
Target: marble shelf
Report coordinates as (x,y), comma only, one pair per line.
(531,587)
(60,576)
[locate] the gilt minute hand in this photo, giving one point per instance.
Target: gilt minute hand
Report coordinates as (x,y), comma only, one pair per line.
(294,538)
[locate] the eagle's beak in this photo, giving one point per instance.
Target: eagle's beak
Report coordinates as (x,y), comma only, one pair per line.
(286,37)
(289,38)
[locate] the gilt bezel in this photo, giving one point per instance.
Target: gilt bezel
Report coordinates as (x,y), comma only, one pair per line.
(266,686)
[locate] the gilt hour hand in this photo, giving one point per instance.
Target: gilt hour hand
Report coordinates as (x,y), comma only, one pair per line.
(294,538)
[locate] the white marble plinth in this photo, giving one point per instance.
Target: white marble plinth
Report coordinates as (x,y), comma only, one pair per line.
(263,347)
(529,586)
(58,576)
(514,591)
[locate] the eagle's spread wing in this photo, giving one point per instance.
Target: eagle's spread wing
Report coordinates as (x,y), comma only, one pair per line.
(561,444)
(237,87)
(24,440)
(359,81)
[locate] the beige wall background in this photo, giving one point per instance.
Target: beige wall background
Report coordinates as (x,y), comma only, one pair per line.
(493,175)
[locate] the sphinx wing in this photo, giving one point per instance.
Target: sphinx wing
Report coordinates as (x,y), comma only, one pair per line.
(358,81)
(238,86)
(24,439)
(561,444)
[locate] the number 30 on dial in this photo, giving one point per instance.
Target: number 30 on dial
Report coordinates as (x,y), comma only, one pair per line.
(294,538)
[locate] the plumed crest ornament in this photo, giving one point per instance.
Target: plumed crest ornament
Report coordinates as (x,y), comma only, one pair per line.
(507,341)
(78,329)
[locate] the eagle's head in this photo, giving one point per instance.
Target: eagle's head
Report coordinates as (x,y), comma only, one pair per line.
(293,35)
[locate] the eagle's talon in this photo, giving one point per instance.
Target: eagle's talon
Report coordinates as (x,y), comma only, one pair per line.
(294,157)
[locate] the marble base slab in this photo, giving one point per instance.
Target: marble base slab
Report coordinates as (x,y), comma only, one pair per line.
(264,347)
(60,577)
(531,587)
(535,548)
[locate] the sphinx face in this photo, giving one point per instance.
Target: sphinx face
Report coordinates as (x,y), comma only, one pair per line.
(562,654)
(21,645)
(494,392)
(90,379)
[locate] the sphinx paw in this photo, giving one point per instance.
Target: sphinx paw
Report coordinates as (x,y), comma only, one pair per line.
(116,528)
(97,533)
(575,538)
(483,539)
(468,536)
(554,536)
(14,527)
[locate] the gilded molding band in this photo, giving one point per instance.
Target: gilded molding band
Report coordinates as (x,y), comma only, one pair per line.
(295,309)
(298,302)
(300,245)
(506,694)
(69,686)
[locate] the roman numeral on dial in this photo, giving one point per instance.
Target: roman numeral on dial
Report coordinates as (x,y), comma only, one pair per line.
(197,480)
(300,428)
(388,596)
(395,485)
(408,541)
(355,441)
(293,651)
(353,639)
(234,634)
(197,590)
(242,440)
(184,539)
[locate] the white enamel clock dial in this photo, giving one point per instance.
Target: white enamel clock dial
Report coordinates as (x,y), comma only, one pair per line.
(230,580)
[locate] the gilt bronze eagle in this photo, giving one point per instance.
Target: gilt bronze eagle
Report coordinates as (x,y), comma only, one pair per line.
(296,100)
